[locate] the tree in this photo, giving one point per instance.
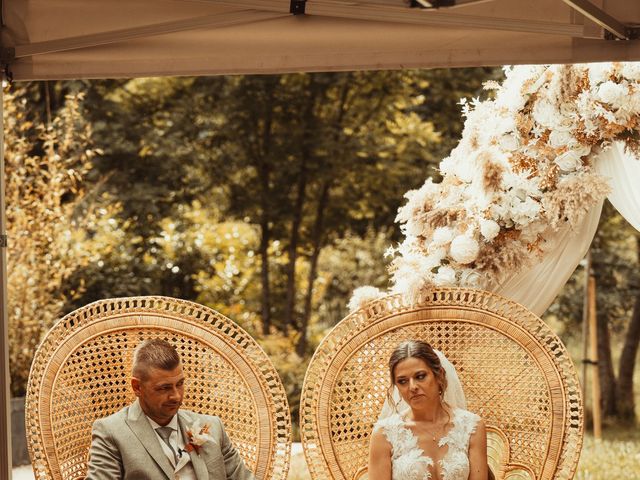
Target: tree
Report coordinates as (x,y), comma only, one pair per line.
(615,263)
(46,164)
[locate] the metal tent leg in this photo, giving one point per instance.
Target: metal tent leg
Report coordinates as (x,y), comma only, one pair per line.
(5,403)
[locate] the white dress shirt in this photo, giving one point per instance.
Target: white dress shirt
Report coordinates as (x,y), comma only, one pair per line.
(183,470)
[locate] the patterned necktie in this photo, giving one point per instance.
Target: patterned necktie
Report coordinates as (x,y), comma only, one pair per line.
(165,434)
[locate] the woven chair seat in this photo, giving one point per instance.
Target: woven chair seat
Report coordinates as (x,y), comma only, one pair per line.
(81,372)
(515,371)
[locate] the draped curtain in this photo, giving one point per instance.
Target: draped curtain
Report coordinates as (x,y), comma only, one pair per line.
(537,286)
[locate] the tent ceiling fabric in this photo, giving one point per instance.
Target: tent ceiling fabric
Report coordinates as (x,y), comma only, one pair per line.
(55,39)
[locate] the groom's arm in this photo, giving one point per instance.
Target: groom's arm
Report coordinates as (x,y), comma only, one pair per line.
(233,464)
(105,461)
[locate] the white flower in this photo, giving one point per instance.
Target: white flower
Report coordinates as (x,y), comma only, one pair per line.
(599,72)
(509,142)
(442,236)
(630,70)
(198,433)
(545,113)
(613,93)
(523,213)
(416,199)
(464,249)
(489,229)
(470,278)
(445,277)
(363,295)
(559,138)
(569,161)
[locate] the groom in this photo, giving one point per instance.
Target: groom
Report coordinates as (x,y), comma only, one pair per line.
(152,438)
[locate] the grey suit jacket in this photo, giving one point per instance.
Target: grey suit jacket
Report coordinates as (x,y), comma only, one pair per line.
(125,447)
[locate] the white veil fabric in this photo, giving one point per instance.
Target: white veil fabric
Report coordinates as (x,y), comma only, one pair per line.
(453,395)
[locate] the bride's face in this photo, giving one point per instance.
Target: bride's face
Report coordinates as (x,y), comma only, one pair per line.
(416,382)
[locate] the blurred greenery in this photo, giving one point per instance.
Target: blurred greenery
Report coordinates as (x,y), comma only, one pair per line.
(268,198)
(615,257)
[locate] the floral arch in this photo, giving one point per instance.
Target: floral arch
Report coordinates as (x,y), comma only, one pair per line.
(522,192)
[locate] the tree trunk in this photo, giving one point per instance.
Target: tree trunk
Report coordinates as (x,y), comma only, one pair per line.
(301,194)
(605,368)
(264,169)
(301,347)
(626,403)
(293,244)
(317,234)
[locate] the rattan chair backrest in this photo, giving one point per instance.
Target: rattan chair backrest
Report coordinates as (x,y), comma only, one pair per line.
(515,371)
(81,372)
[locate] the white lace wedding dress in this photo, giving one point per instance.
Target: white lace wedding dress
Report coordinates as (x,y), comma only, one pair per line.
(409,461)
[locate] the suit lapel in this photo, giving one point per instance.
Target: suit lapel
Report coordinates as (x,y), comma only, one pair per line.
(199,467)
(141,427)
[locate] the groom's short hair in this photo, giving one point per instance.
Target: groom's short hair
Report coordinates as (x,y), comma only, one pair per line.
(154,353)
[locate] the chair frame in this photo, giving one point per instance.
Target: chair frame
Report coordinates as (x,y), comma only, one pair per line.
(173,317)
(442,305)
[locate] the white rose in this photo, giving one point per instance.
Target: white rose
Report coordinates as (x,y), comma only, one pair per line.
(442,235)
(445,277)
(470,278)
(560,138)
(489,229)
(568,161)
(464,249)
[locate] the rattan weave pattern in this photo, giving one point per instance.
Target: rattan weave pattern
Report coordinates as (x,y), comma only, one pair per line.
(81,372)
(515,371)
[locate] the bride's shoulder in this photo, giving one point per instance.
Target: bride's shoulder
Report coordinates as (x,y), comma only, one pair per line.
(393,420)
(465,416)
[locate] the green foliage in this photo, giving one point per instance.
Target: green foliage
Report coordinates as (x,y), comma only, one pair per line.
(49,217)
(193,174)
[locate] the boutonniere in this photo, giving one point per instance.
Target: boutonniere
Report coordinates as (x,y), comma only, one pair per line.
(198,435)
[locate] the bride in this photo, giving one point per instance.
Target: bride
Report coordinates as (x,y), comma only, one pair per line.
(424,431)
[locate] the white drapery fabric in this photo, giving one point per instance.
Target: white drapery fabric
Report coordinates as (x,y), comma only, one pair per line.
(537,287)
(623,170)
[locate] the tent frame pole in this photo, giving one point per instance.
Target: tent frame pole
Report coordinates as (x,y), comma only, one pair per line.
(5,379)
(399,14)
(237,17)
(602,18)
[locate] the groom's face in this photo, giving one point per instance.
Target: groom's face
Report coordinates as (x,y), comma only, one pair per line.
(160,393)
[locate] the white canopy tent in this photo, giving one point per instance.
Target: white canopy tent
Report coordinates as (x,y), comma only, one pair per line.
(58,39)
(54,39)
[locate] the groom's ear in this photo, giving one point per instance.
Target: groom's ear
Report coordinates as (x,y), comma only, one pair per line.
(135,385)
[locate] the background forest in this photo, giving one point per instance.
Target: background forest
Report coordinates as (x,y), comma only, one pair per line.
(267,198)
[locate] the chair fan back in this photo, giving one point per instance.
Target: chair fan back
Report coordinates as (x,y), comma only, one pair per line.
(81,372)
(515,372)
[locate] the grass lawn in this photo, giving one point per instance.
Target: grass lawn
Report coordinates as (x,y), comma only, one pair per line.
(616,456)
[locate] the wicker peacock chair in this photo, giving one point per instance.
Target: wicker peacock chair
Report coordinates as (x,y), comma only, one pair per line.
(515,371)
(82,368)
